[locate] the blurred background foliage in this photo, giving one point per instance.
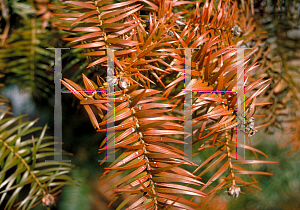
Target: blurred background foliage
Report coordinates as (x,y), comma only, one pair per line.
(26,31)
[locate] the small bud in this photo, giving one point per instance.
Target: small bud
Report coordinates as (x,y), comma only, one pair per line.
(139,107)
(237,191)
(123,84)
(234,191)
(48,200)
(237,31)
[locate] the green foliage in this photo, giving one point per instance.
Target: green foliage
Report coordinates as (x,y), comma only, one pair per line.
(25,59)
(22,158)
(26,62)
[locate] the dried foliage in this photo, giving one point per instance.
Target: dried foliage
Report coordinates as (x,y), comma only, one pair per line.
(149,38)
(275,36)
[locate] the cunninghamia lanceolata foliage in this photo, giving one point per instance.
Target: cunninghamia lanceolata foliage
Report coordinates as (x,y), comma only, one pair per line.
(149,38)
